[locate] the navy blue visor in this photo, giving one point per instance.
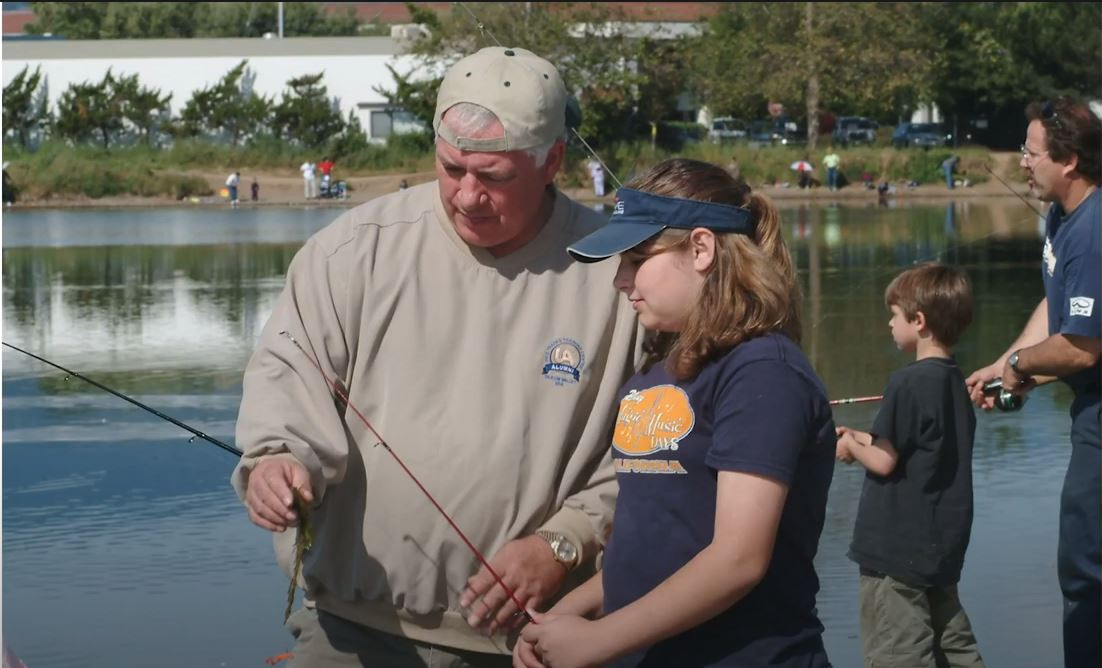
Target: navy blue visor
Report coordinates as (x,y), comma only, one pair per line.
(639,216)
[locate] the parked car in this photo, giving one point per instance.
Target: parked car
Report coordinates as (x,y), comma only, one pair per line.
(924,135)
(782,131)
(854,130)
(726,129)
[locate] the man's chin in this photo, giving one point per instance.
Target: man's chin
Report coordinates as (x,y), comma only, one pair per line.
(476,236)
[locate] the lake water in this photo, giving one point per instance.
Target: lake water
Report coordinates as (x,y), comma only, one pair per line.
(123,544)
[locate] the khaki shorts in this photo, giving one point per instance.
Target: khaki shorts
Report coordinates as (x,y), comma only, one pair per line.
(914,627)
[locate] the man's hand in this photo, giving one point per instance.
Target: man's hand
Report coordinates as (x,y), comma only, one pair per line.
(268,493)
(528,567)
(1016,383)
(978,379)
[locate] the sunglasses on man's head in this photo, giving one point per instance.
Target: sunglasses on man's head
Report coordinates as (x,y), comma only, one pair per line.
(1048,113)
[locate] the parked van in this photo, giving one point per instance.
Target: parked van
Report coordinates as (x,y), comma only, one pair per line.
(726,129)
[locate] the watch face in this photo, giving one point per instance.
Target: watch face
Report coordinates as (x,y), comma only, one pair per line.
(567,552)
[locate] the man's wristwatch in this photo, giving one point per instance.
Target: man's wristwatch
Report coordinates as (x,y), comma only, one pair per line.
(565,552)
(1013,362)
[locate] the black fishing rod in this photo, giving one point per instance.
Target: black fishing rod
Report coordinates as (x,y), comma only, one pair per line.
(196,433)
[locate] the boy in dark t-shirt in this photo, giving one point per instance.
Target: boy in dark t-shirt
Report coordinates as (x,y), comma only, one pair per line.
(915,515)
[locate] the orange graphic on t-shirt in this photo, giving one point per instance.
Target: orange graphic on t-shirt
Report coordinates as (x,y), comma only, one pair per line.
(652,420)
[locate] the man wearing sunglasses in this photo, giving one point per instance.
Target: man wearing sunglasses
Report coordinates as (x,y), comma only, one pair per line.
(1061,341)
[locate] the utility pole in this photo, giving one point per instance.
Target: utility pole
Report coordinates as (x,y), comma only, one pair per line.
(280,19)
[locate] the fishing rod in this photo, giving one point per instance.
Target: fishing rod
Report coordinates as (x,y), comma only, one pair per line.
(343,396)
(1016,193)
(486,32)
(69,372)
(855,400)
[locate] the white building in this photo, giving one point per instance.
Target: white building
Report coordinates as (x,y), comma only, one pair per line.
(353,67)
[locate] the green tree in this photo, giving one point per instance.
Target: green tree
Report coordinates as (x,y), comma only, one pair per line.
(306,114)
(417,96)
(144,108)
(991,59)
(870,58)
(254,19)
(25,109)
(228,107)
(72,20)
(86,109)
(128,20)
(601,64)
(146,20)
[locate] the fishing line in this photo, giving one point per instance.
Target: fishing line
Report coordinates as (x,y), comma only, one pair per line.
(196,433)
(343,396)
(486,31)
(1016,193)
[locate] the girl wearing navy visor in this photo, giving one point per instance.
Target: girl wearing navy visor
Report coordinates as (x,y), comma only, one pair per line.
(723,446)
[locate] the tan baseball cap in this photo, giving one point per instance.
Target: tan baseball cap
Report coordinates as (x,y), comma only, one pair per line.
(524,91)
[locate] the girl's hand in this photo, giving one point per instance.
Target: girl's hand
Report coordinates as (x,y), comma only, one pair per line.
(524,655)
(841,451)
(563,641)
(847,440)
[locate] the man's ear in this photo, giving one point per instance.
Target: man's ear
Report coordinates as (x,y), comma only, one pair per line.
(554,162)
(1070,165)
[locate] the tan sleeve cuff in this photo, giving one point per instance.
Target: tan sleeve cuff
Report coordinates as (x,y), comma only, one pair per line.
(575,525)
(240,477)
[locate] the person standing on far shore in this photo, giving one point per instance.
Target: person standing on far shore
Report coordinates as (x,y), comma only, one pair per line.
(949,165)
(831,162)
(255,187)
(597,173)
(309,185)
(231,183)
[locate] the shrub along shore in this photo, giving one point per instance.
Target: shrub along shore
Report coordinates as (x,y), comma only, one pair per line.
(58,171)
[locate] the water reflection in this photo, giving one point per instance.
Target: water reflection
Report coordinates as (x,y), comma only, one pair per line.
(106,508)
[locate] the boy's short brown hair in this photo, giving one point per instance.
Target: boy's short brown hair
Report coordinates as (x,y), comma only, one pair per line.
(941,292)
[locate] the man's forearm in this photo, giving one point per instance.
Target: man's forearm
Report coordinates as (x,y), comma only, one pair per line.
(1034,332)
(1058,356)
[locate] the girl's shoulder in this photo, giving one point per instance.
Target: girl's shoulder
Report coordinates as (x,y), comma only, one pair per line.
(771,346)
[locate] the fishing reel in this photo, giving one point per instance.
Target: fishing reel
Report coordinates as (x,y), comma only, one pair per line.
(1005,400)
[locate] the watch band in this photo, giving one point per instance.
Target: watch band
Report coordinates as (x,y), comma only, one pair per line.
(564,551)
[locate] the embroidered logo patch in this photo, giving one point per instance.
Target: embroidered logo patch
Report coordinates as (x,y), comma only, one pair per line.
(1081,306)
(1050,257)
(618,210)
(563,361)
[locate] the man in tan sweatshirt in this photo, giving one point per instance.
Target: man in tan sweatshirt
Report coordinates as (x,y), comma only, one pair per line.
(490,362)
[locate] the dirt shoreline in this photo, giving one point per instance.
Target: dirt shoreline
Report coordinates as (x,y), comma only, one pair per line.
(285,190)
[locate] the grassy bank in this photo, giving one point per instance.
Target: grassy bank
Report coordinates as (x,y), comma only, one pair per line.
(772,164)
(59,170)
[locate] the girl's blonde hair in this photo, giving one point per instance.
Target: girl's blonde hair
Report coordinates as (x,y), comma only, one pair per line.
(749,290)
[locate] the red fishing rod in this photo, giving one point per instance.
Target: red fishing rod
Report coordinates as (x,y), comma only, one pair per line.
(855,400)
(380,441)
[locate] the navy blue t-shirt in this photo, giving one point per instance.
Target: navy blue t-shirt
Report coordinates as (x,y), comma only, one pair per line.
(758,409)
(1072,272)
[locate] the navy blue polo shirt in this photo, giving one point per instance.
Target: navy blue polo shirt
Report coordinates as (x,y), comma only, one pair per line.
(758,409)
(1072,273)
